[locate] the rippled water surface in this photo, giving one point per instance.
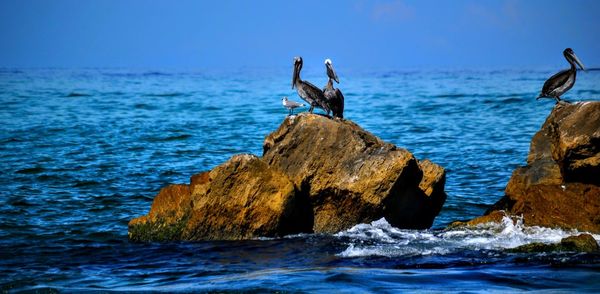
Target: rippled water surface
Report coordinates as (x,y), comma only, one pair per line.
(82,152)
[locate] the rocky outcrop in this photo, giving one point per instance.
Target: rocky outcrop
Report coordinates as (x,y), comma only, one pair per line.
(245,198)
(579,243)
(560,186)
(352,177)
(239,199)
(316,175)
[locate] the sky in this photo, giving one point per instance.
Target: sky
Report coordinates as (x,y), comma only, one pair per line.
(359,34)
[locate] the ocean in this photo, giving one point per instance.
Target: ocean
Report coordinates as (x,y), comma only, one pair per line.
(84,151)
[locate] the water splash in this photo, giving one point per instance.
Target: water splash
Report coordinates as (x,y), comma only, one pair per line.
(379,238)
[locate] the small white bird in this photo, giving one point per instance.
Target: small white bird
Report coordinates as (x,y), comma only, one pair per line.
(290,105)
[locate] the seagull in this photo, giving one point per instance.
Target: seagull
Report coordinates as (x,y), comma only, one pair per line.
(307,91)
(290,105)
(334,96)
(564,80)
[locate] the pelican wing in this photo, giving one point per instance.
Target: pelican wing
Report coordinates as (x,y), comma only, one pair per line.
(340,96)
(555,82)
(339,109)
(317,95)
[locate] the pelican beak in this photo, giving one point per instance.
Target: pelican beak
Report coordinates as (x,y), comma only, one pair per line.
(577,61)
(331,73)
(295,74)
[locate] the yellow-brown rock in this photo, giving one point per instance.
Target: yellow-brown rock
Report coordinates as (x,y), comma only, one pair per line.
(560,186)
(245,198)
(242,198)
(317,175)
(352,177)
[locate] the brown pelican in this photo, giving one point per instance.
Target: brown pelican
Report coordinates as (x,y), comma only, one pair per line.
(290,105)
(564,80)
(334,96)
(307,91)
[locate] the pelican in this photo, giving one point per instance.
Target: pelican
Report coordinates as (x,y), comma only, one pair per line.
(564,80)
(334,96)
(307,91)
(290,105)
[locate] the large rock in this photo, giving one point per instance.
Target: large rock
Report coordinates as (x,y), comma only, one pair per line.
(352,177)
(316,175)
(560,186)
(239,199)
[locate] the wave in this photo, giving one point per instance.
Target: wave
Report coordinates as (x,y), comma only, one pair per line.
(144,106)
(379,238)
(76,94)
(173,94)
(169,173)
(10,71)
(453,95)
(50,178)
(235,91)
(588,91)
(181,137)
(156,74)
(514,100)
(114,93)
(136,148)
(85,183)
(501,101)
(20,202)
(177,138)
(136,74)
(32,170)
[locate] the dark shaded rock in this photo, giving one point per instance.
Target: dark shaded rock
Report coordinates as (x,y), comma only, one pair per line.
(433,185)
(560,186)
(316,175)
(352,177)
(579,243)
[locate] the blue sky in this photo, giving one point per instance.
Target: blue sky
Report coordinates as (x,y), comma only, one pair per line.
(265,34)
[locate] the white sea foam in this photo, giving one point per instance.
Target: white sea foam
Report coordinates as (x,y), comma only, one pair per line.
(379,238)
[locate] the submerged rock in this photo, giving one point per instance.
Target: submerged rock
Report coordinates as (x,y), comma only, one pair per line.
(316,175)
(560,186)
(579,243)
(495,216)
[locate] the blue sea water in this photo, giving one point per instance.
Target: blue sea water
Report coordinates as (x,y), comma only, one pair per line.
(84,151)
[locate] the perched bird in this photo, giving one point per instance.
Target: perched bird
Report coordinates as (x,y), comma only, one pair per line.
(334,96)
(564,80)
(307,91)
(290,105)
